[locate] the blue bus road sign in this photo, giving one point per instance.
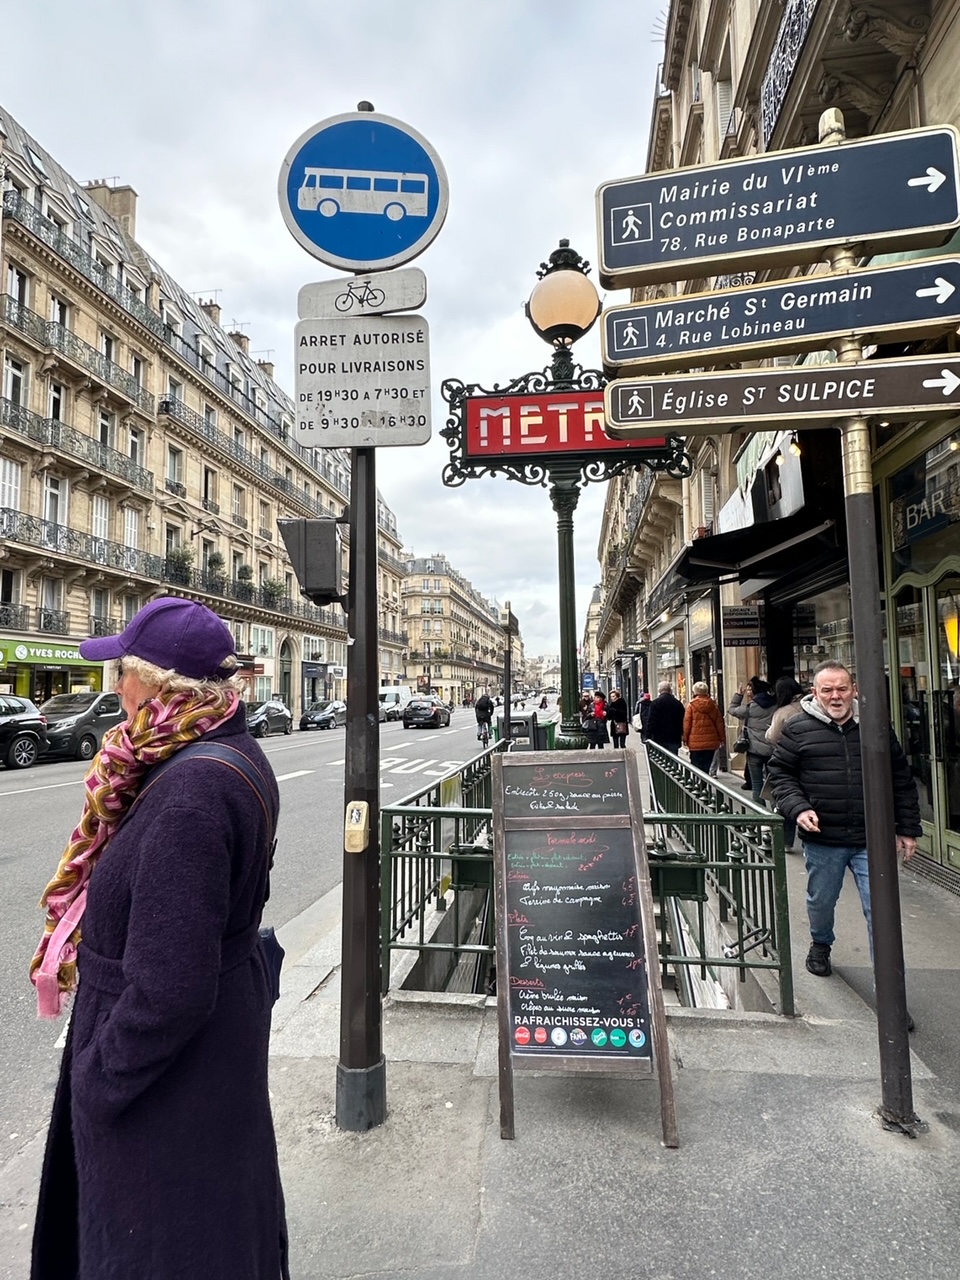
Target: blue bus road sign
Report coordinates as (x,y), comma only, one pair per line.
(799,315)
(780,207)
(714,403)
(363,191)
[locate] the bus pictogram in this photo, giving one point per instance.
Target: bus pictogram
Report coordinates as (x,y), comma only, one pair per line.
(333,191)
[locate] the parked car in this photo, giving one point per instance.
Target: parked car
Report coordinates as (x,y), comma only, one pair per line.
(23,732)
(76,722)
(268,717)
(324,714)
(393,699)
(425,711)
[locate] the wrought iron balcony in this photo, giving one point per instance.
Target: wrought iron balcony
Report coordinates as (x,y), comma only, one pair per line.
(57,435)
(103,626)
(49,333)
(55,621)
(208,504)
(175,408)
(240,520)
(393,637)
(175,487)
(15,526)
(265,533)
(16,207)
(16,617)
(391,562)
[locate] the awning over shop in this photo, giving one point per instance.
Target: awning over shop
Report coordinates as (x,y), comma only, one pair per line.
(770,550)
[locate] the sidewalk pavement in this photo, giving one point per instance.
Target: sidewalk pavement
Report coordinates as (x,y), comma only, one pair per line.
(783,1169)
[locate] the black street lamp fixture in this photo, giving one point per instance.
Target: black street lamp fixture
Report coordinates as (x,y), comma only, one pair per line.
(563,306)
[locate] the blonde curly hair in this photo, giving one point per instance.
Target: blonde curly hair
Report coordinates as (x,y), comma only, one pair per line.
(172,681)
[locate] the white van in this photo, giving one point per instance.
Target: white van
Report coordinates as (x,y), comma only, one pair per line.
(394,697)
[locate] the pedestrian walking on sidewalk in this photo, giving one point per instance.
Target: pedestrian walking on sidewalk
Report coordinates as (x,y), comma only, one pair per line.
(817,781)
(618,717)
(754,705)
(703,729)
(665,725)
(161,1159)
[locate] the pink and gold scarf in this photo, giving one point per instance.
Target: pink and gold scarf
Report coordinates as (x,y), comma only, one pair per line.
(159,728)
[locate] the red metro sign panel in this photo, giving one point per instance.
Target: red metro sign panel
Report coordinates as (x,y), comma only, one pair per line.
(543,423)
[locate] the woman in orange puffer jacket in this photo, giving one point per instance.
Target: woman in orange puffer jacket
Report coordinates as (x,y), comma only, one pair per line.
(703,727)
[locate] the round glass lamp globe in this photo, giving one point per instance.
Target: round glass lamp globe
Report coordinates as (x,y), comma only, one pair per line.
(563,306)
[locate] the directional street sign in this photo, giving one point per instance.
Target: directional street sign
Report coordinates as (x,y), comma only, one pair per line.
(362,383)
(711,404)
(798,315)
(363,191)
(782,206)
(369,294)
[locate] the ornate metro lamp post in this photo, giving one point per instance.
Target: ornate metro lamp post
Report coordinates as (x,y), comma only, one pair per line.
(561,309)
(547,428)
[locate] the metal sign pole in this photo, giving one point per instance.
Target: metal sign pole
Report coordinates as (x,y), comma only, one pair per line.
(361,1071)
(896,1109)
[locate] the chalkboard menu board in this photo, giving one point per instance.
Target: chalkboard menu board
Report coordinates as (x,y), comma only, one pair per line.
(575,948)
(575,929)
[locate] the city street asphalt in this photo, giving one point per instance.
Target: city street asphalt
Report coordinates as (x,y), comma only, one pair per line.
(783,1168)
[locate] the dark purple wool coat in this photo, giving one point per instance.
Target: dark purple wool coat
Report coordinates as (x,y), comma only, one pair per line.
(161,1160)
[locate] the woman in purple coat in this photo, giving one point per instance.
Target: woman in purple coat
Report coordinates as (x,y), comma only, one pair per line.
(161,1159)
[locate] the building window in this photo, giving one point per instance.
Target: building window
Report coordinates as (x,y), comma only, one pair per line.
(239,502)
(236,560)
(100,603)
(136,446)
(206,551)
(56,401)
(209,485)
(59,311)
(106,428)
(18,284)
(173,539)
(174,389)
(261,641)
(11,476)
(174,464)
(101,517)
(131,528)
(262,688)
(15,381)
(108,346)
(210,416)
(54,499)
(130,607)
(238,438)
(136,368)
(9,586)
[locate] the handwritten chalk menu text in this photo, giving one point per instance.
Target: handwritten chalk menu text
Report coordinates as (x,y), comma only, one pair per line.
(577,979)
(578,982)
(561,787)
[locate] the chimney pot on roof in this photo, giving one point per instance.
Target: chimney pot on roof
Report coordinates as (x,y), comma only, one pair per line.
(242,341)
(119,202)
(267,367)
(212,310)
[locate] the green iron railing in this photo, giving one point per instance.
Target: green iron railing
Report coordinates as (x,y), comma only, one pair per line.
(706,843)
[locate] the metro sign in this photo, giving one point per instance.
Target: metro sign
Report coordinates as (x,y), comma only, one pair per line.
(539,424)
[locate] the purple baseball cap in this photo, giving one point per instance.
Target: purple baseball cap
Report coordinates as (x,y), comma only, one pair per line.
(173,633)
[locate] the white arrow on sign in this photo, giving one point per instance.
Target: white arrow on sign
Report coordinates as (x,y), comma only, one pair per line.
(932,180)
(941,289)
(948,382)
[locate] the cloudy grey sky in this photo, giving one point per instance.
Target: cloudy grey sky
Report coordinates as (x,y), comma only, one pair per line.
(530,104)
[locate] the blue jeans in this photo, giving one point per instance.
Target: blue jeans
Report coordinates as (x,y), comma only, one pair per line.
(758,775)
(826,867)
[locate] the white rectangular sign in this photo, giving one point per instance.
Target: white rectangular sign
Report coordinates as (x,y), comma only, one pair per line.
(363,383)
(363,295)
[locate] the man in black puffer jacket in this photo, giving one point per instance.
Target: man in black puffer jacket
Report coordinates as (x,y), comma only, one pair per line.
(817,781)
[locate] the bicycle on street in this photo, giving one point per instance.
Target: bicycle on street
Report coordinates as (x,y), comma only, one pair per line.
(483,732)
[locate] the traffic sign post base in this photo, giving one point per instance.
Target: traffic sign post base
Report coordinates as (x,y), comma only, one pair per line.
(361,1097)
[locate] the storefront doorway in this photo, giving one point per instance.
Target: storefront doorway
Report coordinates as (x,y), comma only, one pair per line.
(927,619)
